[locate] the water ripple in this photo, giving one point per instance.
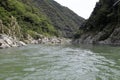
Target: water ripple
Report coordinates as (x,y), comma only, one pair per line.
(43,62)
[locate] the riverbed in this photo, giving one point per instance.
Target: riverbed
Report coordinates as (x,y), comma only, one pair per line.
(60,62)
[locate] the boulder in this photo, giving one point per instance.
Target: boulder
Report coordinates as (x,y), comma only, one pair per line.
(7,41)
(20,43)
(3,44)
(34,42)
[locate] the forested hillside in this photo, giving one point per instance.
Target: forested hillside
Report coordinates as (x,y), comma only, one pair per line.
(64,20)
(22,17)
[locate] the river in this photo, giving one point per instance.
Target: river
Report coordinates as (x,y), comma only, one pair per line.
(60,62)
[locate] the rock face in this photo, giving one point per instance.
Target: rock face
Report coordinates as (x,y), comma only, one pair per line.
(103,26)
(7,41)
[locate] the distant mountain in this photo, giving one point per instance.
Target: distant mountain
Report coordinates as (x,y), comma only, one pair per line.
(62,18)
(45,17)
(103,26)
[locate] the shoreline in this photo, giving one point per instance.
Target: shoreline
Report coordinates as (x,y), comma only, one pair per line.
(8,42)
(87,42)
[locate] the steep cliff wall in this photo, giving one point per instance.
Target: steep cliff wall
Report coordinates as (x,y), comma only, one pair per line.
(103,26)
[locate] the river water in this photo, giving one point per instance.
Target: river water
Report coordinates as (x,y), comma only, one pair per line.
(60,62)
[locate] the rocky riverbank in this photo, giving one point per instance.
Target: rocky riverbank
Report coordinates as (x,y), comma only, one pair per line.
(47,40)
(7,41)
(96,39)
(100,38)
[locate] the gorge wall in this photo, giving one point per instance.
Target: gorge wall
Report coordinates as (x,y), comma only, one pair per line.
(103,26)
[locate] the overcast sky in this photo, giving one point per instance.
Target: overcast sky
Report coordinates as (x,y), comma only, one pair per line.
(82,7)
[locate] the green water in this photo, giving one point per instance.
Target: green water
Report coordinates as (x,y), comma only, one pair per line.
(43,62)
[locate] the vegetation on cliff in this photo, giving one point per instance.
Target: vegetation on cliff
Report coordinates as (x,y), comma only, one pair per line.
(64,20)
(37,17)
(28,17)
(103,26)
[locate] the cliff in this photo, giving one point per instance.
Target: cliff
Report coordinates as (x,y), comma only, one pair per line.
(103,26)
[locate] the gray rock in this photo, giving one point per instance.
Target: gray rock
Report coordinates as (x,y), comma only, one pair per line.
(3,44)
(34,42)
(7,41)
(20,43)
